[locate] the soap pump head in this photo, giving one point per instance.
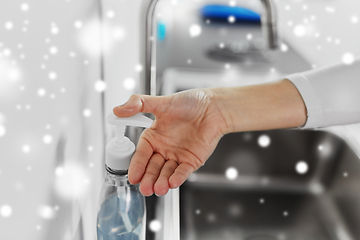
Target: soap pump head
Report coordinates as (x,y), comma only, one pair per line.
(120,149)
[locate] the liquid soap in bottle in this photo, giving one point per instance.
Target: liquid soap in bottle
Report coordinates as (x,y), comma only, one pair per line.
(122,209)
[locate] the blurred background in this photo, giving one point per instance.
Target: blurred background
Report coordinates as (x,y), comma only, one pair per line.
(64,64)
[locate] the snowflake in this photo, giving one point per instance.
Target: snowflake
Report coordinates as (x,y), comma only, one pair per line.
(5,211)
(129,83)
(348,58)
(231,19)
(299,30)
(47,139)
(264,141)
(26,148)
(52,75)
(232,3)
(54,29)
(100,86)
(41,92)
(354,19)
(301,167)
(138,67)
(195,30)
(155,225)
(24,7)
(78,24)
(53,50)
(110,14)
(231,173)
(2,130)
(87,112)
(330,9)
(9,25)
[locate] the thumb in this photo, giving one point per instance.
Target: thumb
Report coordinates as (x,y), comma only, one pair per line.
(138,104)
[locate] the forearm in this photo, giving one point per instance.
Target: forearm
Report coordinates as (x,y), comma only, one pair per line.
(260,107)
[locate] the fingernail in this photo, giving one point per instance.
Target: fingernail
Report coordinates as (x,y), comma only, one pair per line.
(122,105)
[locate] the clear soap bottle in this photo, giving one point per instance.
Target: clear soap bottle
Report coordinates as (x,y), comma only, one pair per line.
(122,207)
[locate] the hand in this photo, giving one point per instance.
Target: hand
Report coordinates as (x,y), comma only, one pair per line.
(186,130)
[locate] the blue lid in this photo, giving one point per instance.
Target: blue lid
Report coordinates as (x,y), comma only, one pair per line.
(223,12)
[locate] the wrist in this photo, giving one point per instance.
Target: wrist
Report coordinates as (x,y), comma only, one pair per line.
(221,100)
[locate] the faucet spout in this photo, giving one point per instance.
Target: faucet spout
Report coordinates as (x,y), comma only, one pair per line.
(147,39)
(269,24)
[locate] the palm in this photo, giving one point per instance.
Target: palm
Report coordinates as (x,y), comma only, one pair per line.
(185,133)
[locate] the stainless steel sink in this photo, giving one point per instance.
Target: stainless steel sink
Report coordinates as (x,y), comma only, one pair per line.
(303,186)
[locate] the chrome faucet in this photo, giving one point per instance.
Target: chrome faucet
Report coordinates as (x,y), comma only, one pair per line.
(148,46)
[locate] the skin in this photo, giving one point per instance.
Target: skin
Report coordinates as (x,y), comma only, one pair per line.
(189,125)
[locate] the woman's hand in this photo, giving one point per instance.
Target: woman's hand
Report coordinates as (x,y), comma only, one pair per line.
(187,128)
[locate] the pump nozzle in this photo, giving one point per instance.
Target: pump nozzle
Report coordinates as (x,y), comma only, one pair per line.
(120,149)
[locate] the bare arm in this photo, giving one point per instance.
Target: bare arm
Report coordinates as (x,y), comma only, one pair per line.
(189,125)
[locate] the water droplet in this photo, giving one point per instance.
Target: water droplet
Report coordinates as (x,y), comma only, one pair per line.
(231,173)
(301,167)
(197,211)
(262,201)
(285,213)
(345,174)
(195,30)
(264,141)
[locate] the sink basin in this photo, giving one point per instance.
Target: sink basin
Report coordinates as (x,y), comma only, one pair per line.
(274,185)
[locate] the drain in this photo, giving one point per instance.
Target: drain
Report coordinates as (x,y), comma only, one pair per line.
(261,237)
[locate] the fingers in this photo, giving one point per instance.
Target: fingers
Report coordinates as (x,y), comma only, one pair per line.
(137,104)
(151,174)
(181,173)
(139,161)
(161,186)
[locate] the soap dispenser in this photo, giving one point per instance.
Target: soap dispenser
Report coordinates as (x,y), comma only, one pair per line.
(122,207)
